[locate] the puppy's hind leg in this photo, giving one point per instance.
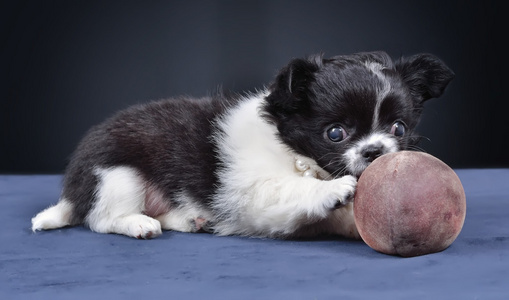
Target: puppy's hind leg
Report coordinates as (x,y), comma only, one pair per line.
(120,201)
(187,218)
(53,217)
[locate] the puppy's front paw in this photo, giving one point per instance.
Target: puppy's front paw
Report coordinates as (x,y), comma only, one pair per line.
(342,190)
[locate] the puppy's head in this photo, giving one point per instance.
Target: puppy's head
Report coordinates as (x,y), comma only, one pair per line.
(345,111)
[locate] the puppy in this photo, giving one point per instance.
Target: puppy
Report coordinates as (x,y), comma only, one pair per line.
(280,163)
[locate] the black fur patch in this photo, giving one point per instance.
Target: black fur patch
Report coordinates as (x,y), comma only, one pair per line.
(168,142)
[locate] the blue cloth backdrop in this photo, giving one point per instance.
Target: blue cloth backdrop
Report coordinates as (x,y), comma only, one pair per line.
(75,263)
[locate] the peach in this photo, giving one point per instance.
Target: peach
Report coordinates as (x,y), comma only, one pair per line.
(408,204)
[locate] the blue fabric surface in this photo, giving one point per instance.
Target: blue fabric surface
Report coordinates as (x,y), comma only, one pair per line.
(74,263)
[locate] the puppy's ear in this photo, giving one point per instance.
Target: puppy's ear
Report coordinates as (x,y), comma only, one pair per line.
(290,91)
(425,74)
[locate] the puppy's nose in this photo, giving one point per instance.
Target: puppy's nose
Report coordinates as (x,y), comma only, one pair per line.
(370,153)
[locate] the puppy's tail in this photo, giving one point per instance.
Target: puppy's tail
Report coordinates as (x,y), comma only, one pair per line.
(53,217)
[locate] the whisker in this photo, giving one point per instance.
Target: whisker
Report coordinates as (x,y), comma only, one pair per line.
(340,173)
(416,148)
(419,137)
(331,153)
(332,161)
(331,176)
(336,174)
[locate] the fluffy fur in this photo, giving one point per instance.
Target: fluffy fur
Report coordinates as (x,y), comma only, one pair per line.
(227,164)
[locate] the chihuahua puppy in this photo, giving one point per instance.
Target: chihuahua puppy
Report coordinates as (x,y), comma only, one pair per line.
(280,163)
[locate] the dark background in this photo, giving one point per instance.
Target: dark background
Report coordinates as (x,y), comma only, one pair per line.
(67,65)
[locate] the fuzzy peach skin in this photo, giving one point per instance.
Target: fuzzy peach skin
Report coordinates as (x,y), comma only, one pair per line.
(409,204)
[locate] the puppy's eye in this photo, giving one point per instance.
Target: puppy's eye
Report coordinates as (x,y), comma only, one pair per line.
(336,134)
(398,129)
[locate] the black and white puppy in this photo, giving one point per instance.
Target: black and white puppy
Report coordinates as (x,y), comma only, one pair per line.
(282,162)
